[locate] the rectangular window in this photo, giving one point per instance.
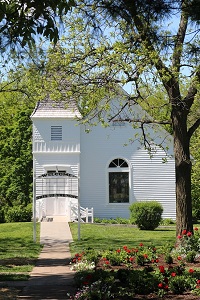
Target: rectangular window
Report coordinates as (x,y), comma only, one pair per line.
(118,187)
(56,133)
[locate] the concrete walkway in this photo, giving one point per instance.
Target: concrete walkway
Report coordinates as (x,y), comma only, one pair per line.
(51,278)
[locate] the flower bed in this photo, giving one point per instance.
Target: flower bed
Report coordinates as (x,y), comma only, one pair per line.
(140,273)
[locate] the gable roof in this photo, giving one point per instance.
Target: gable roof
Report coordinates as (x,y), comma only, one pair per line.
(48,108)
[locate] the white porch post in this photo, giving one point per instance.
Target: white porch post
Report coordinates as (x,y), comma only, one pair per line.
(79,208)
(34,201)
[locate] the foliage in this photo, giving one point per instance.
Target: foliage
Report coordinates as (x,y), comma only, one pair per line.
(18,214)
(146,215)
(21,21)
(118,220)
(131,277)
(16,150)
(104,282)
(2,215)
(188,244)
(167,222)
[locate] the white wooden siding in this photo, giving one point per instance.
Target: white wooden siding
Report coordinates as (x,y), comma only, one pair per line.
(151,178)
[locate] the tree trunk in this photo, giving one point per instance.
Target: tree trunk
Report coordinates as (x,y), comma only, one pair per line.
(183,168)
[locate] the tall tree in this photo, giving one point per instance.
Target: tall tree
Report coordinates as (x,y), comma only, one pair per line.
(139,46)
(16,150)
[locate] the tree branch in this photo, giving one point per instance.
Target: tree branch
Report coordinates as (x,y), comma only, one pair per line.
(193,128)
(168,122)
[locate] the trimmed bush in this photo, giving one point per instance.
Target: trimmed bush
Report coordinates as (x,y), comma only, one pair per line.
(18,214)
(147,215)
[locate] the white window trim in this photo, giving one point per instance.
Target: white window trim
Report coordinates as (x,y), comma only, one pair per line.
(117,169)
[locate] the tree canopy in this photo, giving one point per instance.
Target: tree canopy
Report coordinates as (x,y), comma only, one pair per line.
(140,44)
(22,21)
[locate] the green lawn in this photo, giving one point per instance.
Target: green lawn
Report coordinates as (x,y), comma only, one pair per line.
(18,252)
(100,237)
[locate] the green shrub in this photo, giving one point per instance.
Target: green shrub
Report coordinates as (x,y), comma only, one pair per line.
(18,214)
(168,259)
(147,215)
(190,257)
(167,222)
(2,216)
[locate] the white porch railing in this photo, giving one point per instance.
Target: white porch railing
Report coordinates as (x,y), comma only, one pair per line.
(86,214)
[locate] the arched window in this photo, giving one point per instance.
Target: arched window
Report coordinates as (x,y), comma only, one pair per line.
(118,176)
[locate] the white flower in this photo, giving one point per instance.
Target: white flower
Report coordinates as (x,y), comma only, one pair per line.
(83,265)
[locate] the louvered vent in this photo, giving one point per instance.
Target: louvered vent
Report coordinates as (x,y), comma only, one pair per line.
(56,133)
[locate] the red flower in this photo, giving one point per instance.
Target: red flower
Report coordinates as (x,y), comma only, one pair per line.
(189,234)
(195,228)
(118,250)
(179,237)
(85,282)
(166,287)
(184,232)
(131,259)
(179,257)
(152,260)
(198,281)
(157,260)
(166,280)
(173,274)
(125,247)
(145,255)
(160,285)
(107,262)
(141,244)
(191,270)
(162,269)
